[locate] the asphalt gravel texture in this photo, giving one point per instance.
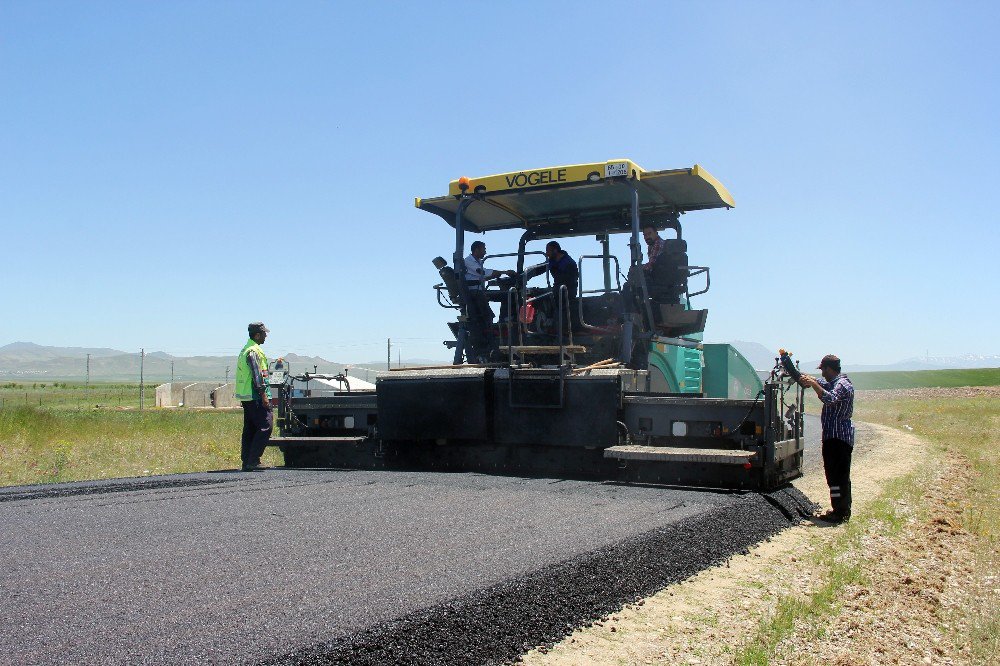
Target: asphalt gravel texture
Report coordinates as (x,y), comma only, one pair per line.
(346,567)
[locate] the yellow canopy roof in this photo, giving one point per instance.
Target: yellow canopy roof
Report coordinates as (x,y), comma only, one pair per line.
(555,196)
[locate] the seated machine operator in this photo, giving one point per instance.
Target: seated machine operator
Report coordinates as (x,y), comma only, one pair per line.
(654,245)
(564,272)
(479,310)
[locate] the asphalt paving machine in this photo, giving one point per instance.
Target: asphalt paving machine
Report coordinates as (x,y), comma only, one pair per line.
(612,381)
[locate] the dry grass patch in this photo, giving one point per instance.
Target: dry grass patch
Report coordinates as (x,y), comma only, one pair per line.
(44,446)
(912,579)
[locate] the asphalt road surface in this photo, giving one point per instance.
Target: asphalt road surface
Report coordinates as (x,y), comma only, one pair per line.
(302,566)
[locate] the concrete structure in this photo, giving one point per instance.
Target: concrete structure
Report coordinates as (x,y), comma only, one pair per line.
(194,394)
(224,397)
(198,394)
(169,394)
(221,396)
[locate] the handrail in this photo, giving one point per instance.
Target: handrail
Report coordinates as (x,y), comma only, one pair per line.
(698,270)
(618,270)
(514,312)
(440,288)
(520,276)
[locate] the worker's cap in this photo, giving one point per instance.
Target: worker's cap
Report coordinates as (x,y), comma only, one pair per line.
(258,327)
(830,361)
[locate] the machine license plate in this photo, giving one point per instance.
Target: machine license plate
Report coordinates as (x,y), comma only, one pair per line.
(615,169)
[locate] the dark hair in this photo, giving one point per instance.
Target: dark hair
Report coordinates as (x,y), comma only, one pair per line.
(649,225)
(830,361)
(554,244)
(477,244)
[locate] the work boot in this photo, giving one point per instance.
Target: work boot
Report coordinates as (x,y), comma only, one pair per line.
(253,468)
(834,517)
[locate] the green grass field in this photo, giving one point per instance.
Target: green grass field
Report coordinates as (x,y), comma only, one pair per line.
(43,445)
(925,378)
(73,395)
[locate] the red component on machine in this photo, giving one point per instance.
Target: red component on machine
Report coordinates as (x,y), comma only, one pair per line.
(526,314)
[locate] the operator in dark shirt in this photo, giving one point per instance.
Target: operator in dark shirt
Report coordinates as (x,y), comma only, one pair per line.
(564,272)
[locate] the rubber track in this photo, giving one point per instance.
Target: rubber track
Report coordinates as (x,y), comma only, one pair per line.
(498,624)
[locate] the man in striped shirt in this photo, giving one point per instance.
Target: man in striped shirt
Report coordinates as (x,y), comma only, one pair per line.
(654,245)
(837,394)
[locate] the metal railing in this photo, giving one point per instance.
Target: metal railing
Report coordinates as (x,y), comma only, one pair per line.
(603,291)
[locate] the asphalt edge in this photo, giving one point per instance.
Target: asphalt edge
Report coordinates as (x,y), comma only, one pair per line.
(498,624)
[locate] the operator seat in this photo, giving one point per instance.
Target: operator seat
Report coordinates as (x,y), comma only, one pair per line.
(448,277)
(668,285)
(668,278)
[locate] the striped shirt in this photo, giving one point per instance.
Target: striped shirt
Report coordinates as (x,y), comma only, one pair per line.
(838,407)
(653,250)
(258,376)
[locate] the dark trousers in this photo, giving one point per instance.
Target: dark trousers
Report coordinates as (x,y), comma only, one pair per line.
(837,465)
(257,424)
(480,326)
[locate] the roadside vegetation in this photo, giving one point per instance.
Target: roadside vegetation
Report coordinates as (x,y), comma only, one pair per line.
(924,378)
(44,445)
(64,395)
(928,544)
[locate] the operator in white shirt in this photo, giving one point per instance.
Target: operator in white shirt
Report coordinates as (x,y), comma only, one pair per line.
(479,310)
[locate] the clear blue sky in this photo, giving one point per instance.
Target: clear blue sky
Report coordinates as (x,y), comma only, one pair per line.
(170,171)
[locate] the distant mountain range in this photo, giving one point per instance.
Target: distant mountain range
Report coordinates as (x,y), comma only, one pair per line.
(762,358)
(26,361)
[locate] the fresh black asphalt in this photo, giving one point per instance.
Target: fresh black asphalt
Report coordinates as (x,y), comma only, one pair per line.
(303,566)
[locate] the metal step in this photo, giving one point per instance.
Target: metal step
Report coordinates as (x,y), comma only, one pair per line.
(312,441)
(677,454)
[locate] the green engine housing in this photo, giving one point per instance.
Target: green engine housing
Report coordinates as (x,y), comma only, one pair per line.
(716,371)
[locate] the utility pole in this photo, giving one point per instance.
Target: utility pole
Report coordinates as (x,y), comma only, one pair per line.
(171,372)
(388,353)
(86,390)
(227,374)
(399,358)
(142,388)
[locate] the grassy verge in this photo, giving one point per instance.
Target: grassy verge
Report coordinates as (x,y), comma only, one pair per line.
(962,429)
(925,378)
(75,395)
(43,445)
(839,566)
(967,428)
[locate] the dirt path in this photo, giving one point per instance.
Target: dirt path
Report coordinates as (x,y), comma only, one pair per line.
(911,578)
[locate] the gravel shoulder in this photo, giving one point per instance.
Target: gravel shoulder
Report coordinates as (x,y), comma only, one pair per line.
(710,617)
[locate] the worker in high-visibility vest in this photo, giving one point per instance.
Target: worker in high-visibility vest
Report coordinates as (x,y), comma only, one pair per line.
(254,394)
